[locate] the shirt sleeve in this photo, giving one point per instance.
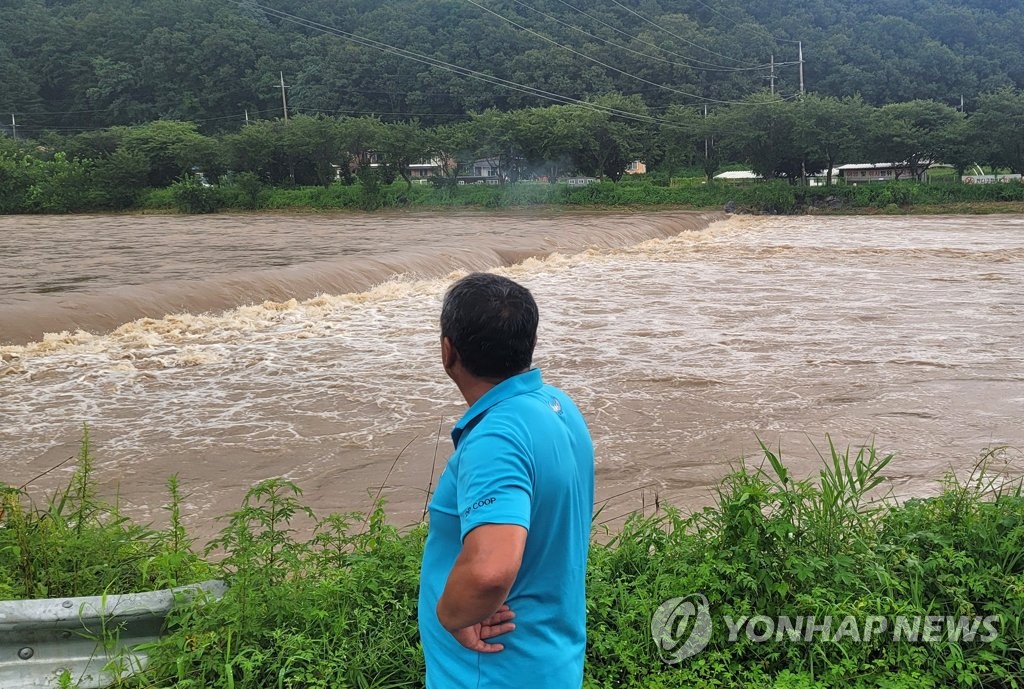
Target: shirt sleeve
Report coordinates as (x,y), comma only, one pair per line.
(495,483)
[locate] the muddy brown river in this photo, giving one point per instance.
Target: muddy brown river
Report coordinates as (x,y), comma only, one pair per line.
(228,349)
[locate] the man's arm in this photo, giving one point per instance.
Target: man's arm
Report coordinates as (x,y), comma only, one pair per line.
(483,575)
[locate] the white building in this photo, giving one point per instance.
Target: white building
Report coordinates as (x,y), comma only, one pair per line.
(856,173)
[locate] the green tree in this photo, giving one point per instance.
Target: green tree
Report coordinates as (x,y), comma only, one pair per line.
(998,125)
(258,148)
(615,140)
(448,145)
(96,63)
(498,135)
(312,146)
(118,178)
(173,149)
(831,129)
(551,138)
(361,137)
(94,145)
(689,137)
(958,145)
(911,133)
(763,132)
(404,144)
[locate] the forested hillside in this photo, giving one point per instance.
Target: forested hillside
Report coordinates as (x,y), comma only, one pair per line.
(72,65)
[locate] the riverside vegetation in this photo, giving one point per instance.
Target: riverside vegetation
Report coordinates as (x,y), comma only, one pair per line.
(363,162)
(330,601)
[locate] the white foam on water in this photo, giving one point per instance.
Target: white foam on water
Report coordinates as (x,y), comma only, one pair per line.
(682,351)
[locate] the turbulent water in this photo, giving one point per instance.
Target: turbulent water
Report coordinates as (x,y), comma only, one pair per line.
(307,346)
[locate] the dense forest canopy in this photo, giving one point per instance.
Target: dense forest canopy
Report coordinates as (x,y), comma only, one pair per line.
(75,65)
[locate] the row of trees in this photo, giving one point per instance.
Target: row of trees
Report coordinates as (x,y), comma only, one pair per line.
(95,63)
(776,137)
(788,138)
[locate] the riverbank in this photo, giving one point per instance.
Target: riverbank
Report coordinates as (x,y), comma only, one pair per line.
(762,197)
(922,593)
(245,193)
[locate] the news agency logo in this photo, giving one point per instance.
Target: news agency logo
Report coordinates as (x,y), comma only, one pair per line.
(681,627)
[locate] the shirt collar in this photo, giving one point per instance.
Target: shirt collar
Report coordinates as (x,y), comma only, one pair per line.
(519,384)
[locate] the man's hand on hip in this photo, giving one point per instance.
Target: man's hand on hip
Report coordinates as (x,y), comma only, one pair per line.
(474,637)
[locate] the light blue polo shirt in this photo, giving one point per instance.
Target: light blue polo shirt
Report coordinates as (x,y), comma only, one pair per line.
(523,455)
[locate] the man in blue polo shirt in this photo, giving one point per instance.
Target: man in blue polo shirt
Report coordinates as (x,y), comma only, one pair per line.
(510,520)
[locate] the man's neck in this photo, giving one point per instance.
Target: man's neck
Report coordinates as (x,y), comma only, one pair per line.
(475,388)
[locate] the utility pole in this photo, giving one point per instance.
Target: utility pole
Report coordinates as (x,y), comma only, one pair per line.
(284,97)
(705,134)
(962,108)
(803,163)
(14,127)
(247,115)
(773,74)
(801,48)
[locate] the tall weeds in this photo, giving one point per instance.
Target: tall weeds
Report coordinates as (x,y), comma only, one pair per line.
(77,543)
(330,601)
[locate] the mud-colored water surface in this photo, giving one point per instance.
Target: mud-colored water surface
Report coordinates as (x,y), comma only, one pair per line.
(306,346)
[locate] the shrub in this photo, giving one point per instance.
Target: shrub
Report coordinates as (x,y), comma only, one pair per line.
(119,178)
(190,195)
(17,175)
(770,197)
(249,188)
(370,187)
(61,186)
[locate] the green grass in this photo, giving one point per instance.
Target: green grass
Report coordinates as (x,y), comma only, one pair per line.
(246,193)
(334,604)
(773,197)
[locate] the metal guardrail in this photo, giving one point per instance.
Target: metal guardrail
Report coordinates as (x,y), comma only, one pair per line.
(90,642)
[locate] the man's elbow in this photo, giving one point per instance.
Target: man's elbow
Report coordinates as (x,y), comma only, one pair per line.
(480,592)
(494,580)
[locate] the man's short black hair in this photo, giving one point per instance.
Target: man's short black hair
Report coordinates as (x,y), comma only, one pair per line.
(492,323)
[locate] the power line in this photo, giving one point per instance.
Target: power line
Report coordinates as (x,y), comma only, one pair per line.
(232,117)
(716,68)
(429,61)
(599,62)
(466,71)
(640,40)
(677,36)
(378,112)
(446,66)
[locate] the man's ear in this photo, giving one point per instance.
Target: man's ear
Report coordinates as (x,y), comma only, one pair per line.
(449,355)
